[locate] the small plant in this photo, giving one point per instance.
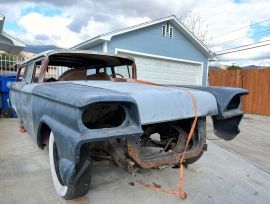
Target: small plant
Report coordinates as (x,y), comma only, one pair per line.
(233,67)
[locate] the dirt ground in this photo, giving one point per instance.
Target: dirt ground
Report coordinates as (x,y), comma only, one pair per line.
(229,172)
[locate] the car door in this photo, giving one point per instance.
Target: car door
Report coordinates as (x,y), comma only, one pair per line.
(15,87)
(26,94)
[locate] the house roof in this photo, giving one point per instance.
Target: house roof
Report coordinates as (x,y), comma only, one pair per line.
(172,19)
(9,43)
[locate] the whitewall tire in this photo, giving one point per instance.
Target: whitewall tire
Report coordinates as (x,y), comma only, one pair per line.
(81,187)
(60,189)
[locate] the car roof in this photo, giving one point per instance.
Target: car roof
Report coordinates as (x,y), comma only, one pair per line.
(69,52)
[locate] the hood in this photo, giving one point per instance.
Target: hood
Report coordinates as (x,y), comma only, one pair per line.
(155,103)
(160,103)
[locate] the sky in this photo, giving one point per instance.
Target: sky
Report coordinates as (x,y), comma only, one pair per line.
(65,23)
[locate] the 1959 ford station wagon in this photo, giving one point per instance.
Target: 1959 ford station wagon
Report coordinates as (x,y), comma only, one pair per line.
(91,109)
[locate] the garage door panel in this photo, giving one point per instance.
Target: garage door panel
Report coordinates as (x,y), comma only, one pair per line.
(165,71)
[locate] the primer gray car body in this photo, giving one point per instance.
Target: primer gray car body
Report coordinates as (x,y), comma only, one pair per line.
(59,107)
(150,98)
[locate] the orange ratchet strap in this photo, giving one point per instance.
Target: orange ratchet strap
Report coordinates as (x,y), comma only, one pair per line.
(180,191)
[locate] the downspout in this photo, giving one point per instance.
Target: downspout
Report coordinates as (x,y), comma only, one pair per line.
(105,46)
(207,72)
(213,59)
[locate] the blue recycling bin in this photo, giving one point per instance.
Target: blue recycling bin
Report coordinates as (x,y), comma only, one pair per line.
(5,98)
(4,79)
(5,110)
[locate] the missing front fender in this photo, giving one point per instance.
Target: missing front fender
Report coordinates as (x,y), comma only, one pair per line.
(166,157)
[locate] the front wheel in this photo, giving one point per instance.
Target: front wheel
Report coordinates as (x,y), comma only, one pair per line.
(81,187)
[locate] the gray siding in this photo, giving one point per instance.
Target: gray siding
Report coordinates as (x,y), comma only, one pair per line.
(98,48)
(150,40)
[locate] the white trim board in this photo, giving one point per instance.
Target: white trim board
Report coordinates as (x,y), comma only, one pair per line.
(119,50)
(105,46)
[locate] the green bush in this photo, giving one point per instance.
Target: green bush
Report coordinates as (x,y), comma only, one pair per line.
(233,67)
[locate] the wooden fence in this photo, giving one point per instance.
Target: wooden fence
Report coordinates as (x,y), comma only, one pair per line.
(257,81)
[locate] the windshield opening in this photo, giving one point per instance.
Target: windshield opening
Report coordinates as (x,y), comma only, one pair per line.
(88,67)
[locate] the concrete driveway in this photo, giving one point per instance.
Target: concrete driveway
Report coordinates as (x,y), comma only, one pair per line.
(229,172)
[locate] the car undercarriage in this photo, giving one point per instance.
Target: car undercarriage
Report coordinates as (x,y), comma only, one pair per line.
(160,144)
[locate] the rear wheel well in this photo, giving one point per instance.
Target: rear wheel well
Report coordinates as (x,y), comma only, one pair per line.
(43,135)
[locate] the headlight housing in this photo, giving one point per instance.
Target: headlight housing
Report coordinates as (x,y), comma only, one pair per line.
(104,115)
(234,103)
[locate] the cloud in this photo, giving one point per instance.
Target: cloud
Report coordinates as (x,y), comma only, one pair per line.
(12,11)
(47,30)
(111,12)
(42,37)
(230,16)
(78,23)
(52,2)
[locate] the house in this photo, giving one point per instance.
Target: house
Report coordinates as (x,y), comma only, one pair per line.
(165,51)
(9,43)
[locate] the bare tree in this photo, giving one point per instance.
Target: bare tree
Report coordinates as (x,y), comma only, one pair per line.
(196,25)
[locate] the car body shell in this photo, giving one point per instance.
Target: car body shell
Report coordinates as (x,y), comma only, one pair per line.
(60,106)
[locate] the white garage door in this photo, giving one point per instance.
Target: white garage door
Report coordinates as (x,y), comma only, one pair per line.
(166,71)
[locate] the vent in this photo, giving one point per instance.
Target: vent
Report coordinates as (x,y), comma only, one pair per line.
(164,31)
(167,30)
(171,32)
